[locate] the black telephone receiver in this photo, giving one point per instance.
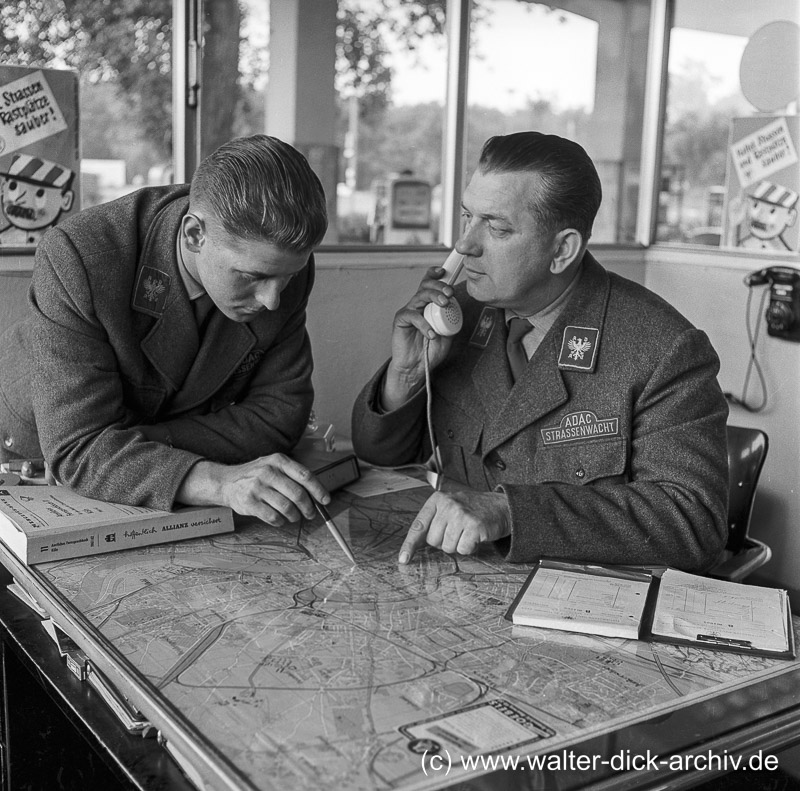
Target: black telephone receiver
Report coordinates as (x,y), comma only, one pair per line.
(783,275)
(783,313)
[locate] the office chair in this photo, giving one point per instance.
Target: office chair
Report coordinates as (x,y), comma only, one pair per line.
(747,449)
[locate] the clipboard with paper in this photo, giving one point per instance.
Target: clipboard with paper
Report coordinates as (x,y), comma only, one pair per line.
(656,604)
(710,613)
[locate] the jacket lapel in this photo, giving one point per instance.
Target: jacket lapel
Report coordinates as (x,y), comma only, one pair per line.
(538,391)
(491,375)
(194,371)
(541,387)
(172,342)
(225,344)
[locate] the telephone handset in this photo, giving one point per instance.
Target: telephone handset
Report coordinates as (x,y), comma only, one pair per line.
(447,319)
(783,312)
(784,275)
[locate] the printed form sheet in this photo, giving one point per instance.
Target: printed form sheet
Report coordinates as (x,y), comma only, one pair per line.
(720,612)
(599,604)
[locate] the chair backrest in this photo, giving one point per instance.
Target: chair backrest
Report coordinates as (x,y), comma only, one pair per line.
(747,449)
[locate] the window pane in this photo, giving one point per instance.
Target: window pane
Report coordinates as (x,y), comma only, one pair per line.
(121,52)
(358,86)
(572,69)
(733,79)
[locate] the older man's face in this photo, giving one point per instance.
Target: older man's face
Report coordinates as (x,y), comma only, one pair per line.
(508,256)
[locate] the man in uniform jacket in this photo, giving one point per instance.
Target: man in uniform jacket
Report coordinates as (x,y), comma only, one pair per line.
(608,442)
(165,358)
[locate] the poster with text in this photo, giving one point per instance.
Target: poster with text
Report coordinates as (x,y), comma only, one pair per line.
(763,184)
(39,153)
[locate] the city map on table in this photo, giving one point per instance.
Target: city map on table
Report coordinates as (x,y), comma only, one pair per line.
(305,673)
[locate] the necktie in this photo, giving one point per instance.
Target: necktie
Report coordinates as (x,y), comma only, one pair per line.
(517,359)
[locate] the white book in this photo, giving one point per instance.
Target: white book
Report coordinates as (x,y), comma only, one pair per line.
(42,523)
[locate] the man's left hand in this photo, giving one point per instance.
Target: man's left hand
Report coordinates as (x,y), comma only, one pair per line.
(458,522)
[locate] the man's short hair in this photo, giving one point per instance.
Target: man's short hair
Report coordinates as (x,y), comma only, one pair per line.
(261,188)
(571,187)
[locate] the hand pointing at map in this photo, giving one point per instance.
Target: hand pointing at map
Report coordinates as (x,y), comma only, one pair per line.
(458,522)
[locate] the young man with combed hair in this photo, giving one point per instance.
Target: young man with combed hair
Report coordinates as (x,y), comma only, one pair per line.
(608,444)
(165,359)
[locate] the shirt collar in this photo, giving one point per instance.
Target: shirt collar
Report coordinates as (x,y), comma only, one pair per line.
(546,317)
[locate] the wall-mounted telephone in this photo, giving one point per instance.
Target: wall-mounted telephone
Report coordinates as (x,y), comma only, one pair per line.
(783,312)
(447,319)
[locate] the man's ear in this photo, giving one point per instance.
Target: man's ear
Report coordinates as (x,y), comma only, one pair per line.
(194,231)
(568,246)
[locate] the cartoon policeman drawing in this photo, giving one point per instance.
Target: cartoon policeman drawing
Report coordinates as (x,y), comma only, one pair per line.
(33,194)
(770,210)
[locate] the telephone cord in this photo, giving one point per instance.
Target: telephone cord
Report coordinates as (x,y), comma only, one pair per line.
(753,363)
(437,462)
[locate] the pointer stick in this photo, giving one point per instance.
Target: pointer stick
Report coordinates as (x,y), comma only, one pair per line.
(323,512)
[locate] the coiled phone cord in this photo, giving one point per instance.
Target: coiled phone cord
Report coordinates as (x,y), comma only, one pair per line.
(752,338)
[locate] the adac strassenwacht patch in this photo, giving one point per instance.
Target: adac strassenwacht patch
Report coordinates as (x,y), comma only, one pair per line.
(578,426)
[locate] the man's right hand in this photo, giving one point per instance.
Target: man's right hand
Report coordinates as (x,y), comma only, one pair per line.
(406,371)
(275,488)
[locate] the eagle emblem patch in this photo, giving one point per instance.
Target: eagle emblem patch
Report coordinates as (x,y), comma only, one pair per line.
(152,290)
(579,348)
(484,328)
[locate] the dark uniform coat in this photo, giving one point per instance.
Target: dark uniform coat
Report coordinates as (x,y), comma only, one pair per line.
(611,447)
(111,354)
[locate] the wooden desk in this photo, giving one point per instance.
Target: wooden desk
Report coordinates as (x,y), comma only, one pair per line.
(269,663)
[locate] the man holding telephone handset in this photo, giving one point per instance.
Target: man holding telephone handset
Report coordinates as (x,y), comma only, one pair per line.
(578,411)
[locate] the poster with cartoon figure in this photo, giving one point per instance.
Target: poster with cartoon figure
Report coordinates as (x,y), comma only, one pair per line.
(39,153)
(763,184)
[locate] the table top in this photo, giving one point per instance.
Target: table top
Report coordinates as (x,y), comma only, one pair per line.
(138,762)
(269,662)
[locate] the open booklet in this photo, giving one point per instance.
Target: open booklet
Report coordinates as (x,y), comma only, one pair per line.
(663,605)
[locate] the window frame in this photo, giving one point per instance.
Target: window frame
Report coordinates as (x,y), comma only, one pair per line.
(187,16)
(186,120)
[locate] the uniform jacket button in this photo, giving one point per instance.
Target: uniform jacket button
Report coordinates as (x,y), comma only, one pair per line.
(580,472)
(450,433)
(8,441)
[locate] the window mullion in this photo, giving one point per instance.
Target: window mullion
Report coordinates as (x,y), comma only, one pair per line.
(454,138)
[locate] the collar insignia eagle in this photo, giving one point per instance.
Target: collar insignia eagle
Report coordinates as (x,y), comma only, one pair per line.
(484,327)
(152,289)
(579,348)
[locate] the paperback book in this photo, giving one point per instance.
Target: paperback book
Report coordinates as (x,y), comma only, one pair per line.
(42,523)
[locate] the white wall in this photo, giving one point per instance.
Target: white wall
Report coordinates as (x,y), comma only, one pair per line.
(710,292)
(350,317)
